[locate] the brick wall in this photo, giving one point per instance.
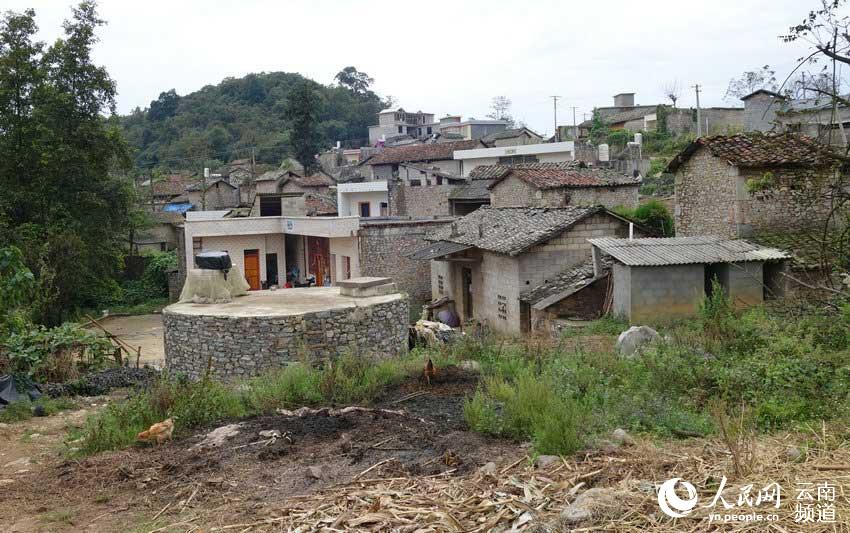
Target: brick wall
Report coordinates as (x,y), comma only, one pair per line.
(383,247)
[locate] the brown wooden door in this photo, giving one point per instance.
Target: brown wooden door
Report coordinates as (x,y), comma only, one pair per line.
(252,268)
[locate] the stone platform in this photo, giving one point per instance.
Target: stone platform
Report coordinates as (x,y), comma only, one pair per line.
(268,329)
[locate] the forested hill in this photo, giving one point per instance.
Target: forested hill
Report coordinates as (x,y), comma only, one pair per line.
(222,122)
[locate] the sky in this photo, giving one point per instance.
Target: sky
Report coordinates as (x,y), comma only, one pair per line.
(446,57)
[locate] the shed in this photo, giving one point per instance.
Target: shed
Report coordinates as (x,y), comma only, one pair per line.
(669,277)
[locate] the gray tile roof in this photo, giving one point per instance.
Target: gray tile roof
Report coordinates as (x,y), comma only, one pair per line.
(438,249)
(511,230)
(563,285)
(472,190)
(684,250)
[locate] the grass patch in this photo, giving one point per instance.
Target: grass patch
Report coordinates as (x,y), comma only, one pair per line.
(23,410)
(59,516)
(348,379)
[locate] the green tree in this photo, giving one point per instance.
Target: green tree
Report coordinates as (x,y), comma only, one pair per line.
(302,109)
(63,201)
(354,80)
(165,106)
(598,129)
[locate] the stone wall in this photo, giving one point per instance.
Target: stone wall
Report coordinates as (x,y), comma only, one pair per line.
(383,248)
(419,201)
(705,196)
(239,347)
(712,199)
(513,191)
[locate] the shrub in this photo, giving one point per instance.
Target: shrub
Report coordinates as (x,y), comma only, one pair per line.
(652,214)
(56,354)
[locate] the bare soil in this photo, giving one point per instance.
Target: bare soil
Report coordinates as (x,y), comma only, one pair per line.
(424,435)
(145,331)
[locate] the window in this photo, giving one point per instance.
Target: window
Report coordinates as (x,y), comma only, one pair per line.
(415,183)
(439,180)
(401,129)
(440,284)
(364,209)
(567,199)
(517,159)
(384,209)
(502,306)
(270,206)
(429,130)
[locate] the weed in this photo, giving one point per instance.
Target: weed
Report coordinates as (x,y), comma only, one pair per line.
(23,410)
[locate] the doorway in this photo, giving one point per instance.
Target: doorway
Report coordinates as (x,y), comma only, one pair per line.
(466,281)
(271,270)
(364,209)
(252,268)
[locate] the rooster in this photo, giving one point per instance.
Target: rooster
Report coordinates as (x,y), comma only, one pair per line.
(429,371)
(158,433)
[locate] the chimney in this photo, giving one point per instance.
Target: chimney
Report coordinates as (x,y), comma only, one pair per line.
(624,100)
(454,230)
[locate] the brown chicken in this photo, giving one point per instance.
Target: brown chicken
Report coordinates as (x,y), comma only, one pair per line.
(158,433)
(429,371)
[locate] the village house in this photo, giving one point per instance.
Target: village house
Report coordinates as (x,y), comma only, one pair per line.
(669,278)
(161,236)
(561,184)
(216,195)
(749,184)
(165,190)
(400,122)
(473,129)
(285,192)
(471,157)
(512,137)
(385,164)
(481,264)
(815,117)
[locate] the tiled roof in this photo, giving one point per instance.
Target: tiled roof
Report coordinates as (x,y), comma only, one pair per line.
(167,217)
(632,114)
(756,150)
(173,185)
(472,190)
(511,230)
(684,250)
(318,179)
(422,152)
(508,134)
(199,185)
(564,284)
(567,174)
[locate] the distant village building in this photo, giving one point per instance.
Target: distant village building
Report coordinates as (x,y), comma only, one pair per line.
(474,129)
(400,122)
(512,137)
(385,164)
(217,194)
(562,184)
(747,184)
(815,117)
(668,278)
(471,157)
(484,262)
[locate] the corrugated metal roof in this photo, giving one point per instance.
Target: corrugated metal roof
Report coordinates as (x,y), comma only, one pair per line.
(684,250)
(438,249)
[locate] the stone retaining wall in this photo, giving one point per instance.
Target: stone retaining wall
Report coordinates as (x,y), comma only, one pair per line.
(238,347)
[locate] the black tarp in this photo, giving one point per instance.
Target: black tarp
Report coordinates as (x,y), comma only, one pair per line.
(214,261)
(16,388)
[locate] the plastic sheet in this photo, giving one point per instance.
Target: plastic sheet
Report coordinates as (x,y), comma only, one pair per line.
(213,286)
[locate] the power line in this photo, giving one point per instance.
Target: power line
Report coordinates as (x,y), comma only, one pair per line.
(555,109)
(699,119)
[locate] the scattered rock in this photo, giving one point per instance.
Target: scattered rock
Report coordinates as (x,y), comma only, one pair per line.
(621,436)
(608,446)
(793,454)
(634,339)
(38,410)
(6,482)
(545,461)
(270,434)
(314,472)
(99,383)
(595,503)
(470,365)
(23,461)
(489,469)
(215,481)
(217,436)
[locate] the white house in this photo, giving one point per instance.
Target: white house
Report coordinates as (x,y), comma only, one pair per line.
(266,248)
(366,199)
(510,155)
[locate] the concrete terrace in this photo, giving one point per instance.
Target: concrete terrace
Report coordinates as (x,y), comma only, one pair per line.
(281,303)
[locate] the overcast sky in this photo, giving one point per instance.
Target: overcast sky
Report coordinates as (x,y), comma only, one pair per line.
(445,56)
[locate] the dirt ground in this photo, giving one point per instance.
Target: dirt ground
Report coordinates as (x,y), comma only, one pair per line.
(140,330)
(415,430)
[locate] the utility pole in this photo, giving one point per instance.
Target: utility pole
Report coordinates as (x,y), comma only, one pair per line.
(699,115)
(575,127)
(555,109)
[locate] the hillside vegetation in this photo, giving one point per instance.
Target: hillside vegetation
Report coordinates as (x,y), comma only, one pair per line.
(222,122)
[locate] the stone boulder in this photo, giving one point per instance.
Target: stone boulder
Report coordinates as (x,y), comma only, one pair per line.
(595,504)
(636,338)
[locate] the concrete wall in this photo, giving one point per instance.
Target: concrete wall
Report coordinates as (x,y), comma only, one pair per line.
(760,112)
(743,283)
(345,247)
(349,203)
(659,292)
(240,347)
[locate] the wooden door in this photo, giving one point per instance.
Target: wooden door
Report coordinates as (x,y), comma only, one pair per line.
(466,281)
(252,268)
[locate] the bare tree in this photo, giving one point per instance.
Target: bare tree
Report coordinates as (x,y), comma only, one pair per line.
(500,109)
(672,91)
(751,81)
